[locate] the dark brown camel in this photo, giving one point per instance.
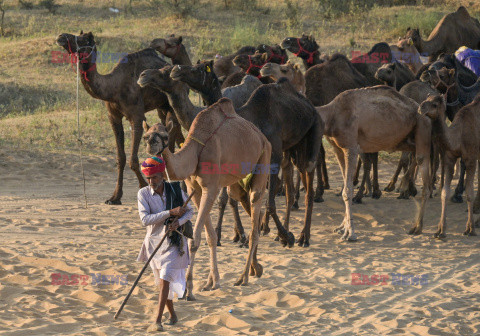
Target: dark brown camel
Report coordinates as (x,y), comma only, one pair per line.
(122,95)
(304,47)
(368,64)
(177,93)
(452,31)
(223,65)
(287,120)
(460,140)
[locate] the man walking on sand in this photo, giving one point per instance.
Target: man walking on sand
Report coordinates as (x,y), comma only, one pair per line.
(157,204)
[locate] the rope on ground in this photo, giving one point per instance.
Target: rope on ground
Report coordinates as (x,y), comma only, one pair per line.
(80,144)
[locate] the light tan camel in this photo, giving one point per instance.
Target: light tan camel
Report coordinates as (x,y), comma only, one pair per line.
(406,52)
(460,140)
(289,70)
(363,120)
(218,144)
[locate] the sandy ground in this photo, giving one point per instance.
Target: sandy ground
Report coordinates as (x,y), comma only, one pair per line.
(45,229)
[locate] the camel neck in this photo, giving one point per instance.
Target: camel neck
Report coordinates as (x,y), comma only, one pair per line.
(183,163)
(316,60)
(97,85)
(184,110)
(181,58)
(326,114)
(213,93)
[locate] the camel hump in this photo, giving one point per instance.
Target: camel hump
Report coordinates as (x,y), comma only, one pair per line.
(226,105)
(463,12)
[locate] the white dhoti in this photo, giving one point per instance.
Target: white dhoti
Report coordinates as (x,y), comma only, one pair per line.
(176,278)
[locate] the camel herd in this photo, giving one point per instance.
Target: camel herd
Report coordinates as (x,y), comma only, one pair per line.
(259,108)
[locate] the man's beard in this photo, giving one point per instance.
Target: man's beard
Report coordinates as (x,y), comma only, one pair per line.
(156,186)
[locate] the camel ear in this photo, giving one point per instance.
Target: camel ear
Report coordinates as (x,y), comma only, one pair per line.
(180,39)
(211,64)
(198,61)
(145,126)
(451,72)
(169,126)
(408,29)
(264,58)
(81,32)
(296,67)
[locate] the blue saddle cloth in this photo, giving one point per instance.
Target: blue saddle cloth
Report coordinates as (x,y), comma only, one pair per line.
(469,58)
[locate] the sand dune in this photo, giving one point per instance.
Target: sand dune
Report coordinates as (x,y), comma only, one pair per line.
(46,230)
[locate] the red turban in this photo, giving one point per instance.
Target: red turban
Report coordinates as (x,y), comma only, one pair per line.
(153,165)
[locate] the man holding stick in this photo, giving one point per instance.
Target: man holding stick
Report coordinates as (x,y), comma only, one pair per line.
(157,203)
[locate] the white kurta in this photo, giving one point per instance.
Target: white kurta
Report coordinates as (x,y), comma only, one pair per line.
(167,263)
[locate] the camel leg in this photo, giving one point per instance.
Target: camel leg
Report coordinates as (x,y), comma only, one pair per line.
(286,237)
(422,153)
(407,186)
(470,166)
(367,165)
(403,162)
(297,191)
(137,131)
(457,196)
(376,192)
(289,191)
(347,194)
(341,162)
(208,199)
(322,159)
(357,171)
(193,244)
(222,203)
(442,224)
(238,222)
(115,119)
(476,203)
(304,239)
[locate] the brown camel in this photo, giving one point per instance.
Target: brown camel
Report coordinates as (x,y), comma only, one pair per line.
(173,48)
(460,140)
(177,93)
(451,32)
(292,126)
(218,138)
(251,64)
(406,52)
(289,70)
(223,65)
(304,47)
(363,119)
(122,95)
(395,74)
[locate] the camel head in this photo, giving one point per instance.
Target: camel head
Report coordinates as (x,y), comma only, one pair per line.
(411,37)
(199,77)
(441,79)
(275,53)
(433,107)
(83,43)
(386,73)
(303,47)
(251,64)
(157,78)
(168,46)
(277,71)
(156,138)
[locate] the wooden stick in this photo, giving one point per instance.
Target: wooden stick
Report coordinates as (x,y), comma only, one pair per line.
(148,261)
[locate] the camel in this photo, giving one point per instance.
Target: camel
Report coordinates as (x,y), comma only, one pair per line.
(406,52)
(289,122)
(464,75)
(177,93)
(240,93)
(288,70)
(369,63)
(251,64)
(122,96)
(363,119)
(210,144)
(460,140)
(223,65)
(173,48)
(451,32)
(395,74)
(304,47)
